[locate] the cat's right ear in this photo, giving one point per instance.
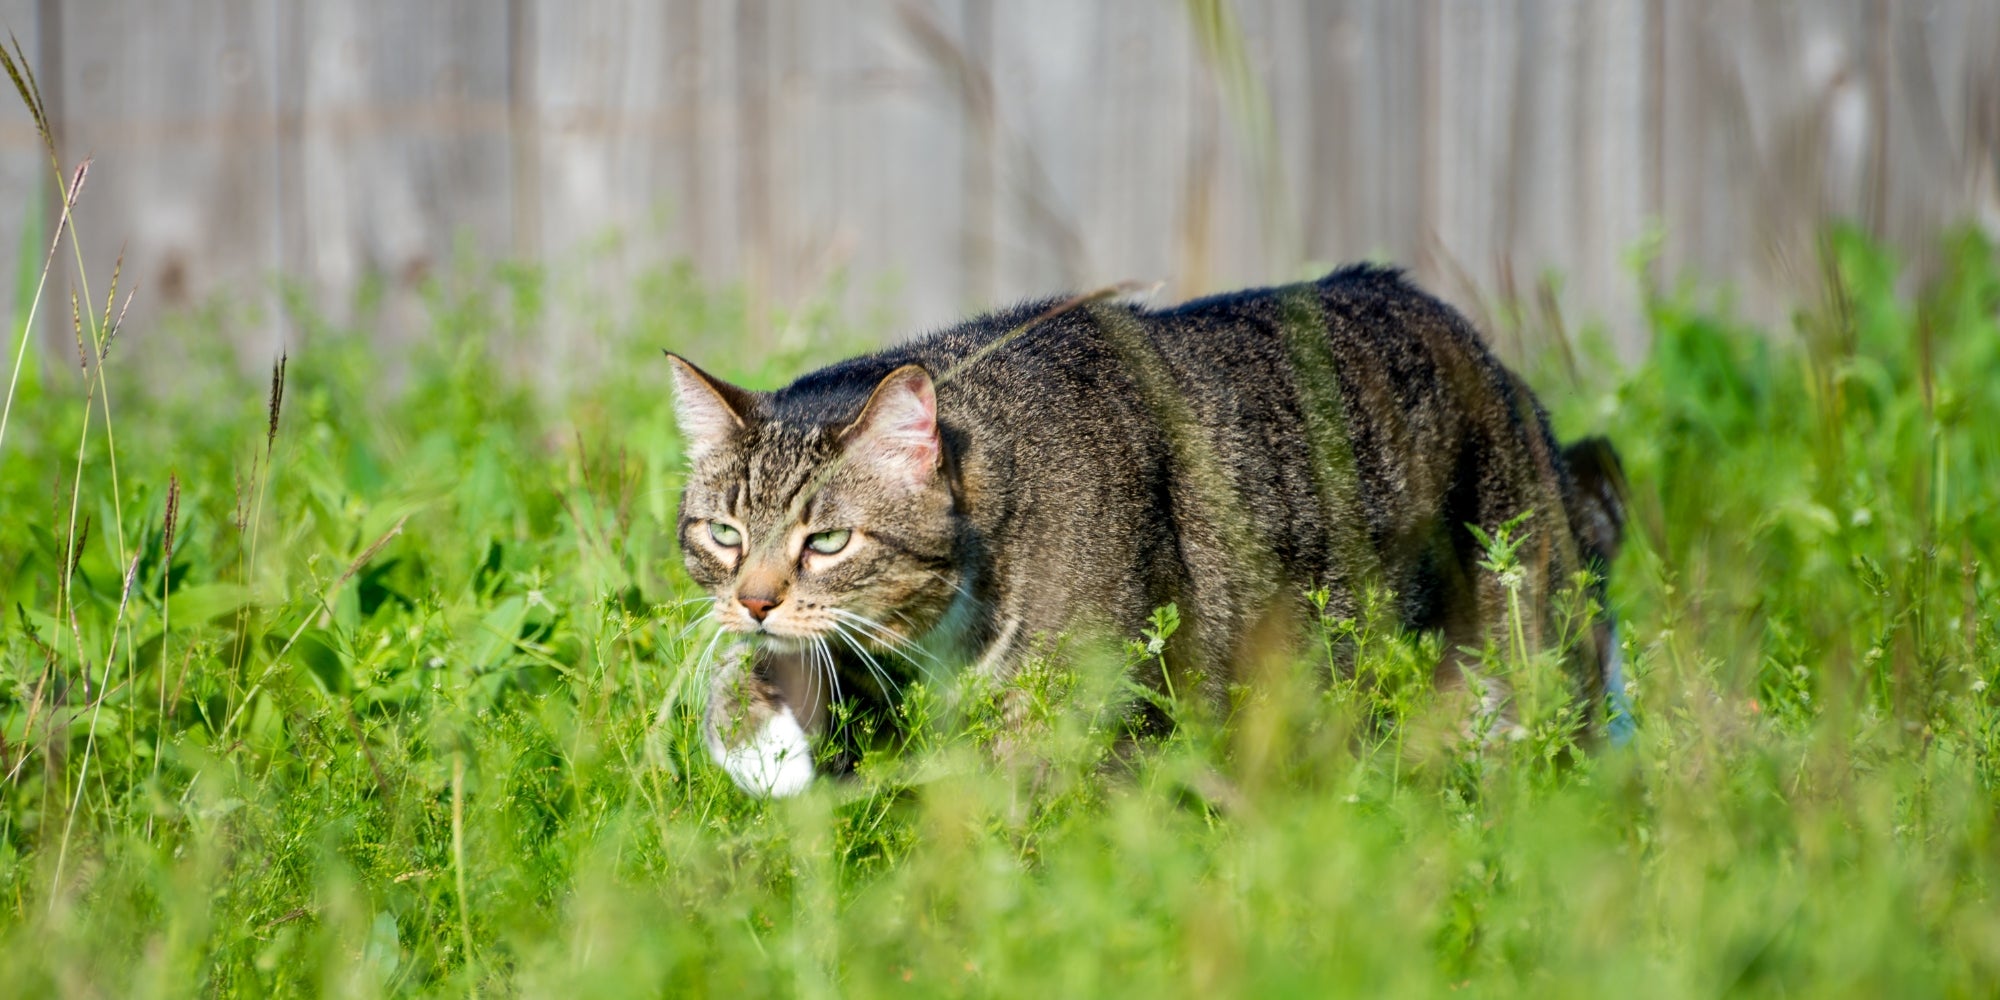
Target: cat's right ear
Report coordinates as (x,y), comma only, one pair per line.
(709,409)
(897,432)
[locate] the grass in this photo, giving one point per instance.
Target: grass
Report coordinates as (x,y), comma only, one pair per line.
(385,686)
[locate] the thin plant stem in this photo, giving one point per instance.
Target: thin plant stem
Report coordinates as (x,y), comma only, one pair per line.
(458,866)
(169,523)
(90,740)
(48,262)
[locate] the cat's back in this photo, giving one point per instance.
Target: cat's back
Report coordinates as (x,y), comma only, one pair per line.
(1359,425)
(1362,322)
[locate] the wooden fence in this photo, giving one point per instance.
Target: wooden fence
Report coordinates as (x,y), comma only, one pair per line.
(973,151)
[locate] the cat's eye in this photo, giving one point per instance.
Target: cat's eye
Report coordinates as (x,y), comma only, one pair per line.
(826,543)
(724,535)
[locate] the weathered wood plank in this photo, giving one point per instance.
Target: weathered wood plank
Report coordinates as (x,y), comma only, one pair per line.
(944,155)
(395,131)
(174,102)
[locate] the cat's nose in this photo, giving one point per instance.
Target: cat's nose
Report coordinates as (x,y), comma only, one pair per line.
(757,606)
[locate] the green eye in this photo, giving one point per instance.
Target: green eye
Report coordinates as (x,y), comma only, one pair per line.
(827,543)
(724,535)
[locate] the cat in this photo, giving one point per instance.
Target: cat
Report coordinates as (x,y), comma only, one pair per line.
(1068,466)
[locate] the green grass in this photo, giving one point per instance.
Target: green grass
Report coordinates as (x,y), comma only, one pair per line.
(411,710)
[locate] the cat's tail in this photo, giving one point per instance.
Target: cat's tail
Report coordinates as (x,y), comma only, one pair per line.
(1600,498)
(1599,518)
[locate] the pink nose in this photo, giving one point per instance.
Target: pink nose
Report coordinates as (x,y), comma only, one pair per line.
(757,606)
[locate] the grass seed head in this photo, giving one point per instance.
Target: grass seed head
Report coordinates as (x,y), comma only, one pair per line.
(16,65)
(112,326)
(169,522)
(240,513)
(76,179)
(276,403)
(74,556)
(76,326)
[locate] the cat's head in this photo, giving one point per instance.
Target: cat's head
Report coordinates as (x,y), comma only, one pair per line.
(822,517)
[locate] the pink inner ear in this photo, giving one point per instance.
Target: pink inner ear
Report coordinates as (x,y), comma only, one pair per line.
(900,435)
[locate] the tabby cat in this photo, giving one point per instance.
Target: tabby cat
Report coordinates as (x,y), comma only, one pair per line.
(1066,467)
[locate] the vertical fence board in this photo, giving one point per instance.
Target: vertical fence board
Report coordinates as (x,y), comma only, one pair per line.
(173,102)
(951,154)
(403,146)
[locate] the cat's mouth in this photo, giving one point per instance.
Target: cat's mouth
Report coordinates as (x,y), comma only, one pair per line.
(799,642)
(777,634)
(845,629)
(781,643)
(783,635)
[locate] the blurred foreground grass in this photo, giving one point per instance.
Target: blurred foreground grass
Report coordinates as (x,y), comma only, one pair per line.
(409,708)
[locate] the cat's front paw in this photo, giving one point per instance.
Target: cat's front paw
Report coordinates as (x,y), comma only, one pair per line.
(775,761)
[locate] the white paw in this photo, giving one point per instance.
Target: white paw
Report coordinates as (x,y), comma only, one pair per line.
(775,763)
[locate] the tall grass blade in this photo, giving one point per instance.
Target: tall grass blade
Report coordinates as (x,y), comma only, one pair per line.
(26,280)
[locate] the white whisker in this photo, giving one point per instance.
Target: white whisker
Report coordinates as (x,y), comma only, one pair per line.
(873,629)
(832,668)
(881,676)
(708,652)
(706,616)
(883,635)
(959,588)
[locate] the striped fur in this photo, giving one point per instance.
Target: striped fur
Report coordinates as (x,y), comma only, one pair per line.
(1095,460)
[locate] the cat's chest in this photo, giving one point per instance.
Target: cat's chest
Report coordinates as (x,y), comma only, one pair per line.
(956,635)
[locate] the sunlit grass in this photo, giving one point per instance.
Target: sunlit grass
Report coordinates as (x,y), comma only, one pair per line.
(433,730)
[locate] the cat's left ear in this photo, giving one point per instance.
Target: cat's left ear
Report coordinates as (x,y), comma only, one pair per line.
(710,410)
(897,431)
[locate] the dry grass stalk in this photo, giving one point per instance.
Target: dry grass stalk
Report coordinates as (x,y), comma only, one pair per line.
(48,262)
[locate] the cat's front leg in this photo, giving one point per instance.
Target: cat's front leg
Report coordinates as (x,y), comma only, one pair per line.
(760,716)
